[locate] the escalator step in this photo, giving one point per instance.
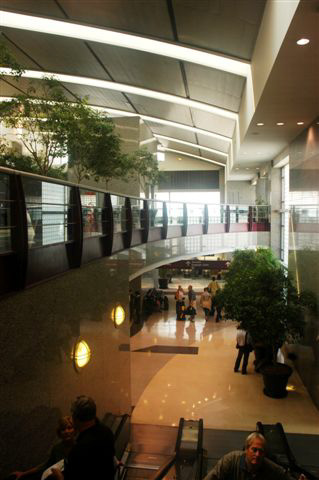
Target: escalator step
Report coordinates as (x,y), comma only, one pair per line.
(139,473)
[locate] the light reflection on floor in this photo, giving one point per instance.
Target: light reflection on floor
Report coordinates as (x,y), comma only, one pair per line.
(168,386)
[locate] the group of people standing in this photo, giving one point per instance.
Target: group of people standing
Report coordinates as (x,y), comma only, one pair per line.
(207,301)
(85,449)
(181,309)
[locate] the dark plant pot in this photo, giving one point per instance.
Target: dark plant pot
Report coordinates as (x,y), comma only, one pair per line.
(275,379)
(163,282)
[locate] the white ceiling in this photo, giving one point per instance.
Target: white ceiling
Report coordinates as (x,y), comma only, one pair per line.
(225,27)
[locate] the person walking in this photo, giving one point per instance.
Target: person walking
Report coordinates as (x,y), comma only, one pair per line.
(179,295)
(213,287)
(244,348)
(191,303)
(206,302)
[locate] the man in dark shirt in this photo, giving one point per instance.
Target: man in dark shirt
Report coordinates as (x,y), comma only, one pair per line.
(249,465)
(92,456)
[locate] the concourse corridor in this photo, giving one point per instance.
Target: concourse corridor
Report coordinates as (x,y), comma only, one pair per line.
(184,369)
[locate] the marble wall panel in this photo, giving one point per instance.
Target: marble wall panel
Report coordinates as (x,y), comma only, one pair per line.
(39,327)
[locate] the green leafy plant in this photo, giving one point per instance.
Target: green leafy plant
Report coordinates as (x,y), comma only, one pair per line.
(51,127)
(8,60)
(40,116)
(260,295)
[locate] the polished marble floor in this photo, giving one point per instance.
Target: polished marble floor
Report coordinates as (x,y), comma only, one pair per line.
(169,383)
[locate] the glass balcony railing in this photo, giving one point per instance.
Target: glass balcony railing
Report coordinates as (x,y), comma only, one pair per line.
(59,212)
(48,212)
(238,213)
(305,214)
(216,214)
(138,213)
(92,207)
(175,214)
(195,214)
(156,213)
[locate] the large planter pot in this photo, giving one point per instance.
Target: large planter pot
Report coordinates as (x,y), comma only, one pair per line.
(275,379)
(163,282)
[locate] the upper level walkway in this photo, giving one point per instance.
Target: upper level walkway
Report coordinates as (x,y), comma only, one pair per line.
(49,226)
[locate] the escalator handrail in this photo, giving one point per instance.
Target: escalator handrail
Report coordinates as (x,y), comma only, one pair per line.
(179,435)
(293,465)
(164,469)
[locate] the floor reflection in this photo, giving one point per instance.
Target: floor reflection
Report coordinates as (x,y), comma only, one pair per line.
(167,386)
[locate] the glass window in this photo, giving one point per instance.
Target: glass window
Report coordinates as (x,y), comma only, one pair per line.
(203,197)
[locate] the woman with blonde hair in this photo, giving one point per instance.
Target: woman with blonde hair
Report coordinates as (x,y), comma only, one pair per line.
(60,451)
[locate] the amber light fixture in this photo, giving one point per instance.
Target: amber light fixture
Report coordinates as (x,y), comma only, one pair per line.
(118,315)
(81,354)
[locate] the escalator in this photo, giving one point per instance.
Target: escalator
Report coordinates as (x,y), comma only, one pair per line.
(180,462)
(279,451)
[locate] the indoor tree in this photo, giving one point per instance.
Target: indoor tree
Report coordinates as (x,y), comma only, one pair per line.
(53,127)
(40,115)
(260,295)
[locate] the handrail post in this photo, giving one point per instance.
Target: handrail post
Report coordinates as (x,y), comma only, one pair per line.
(74,253)
(185,220)
(107,224)
(19,234)
(145,221)
(127,237)
(250,218)
(227,226)
(165,221)
(206,219)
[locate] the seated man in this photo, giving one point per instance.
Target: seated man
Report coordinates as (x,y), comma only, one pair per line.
(92,456)
(250,464)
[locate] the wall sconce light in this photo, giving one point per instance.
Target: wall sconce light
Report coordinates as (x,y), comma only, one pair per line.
(81,354)
(118,315)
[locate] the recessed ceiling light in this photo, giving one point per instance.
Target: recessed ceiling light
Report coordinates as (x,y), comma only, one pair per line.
(303,41)
(257,168)
(179,158)
(300,123)
(260,124)
(280,124)
(237,168)
(247,168)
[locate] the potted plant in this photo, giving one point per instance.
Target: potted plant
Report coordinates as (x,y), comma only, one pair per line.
(164,277)
(260,295)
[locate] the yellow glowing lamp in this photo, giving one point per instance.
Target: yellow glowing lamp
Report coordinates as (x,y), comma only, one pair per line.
(118,315)
(82,354)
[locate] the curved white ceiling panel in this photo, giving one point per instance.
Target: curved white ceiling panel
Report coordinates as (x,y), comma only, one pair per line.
(119,39)
(121,87)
